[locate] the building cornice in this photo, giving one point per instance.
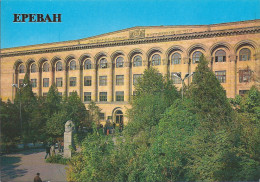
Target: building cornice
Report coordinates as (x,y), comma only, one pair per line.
(145,40)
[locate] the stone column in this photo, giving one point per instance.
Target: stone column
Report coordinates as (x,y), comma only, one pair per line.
(39,81)
(65,79)
(233,75)
(127,81)
(79,82)
(94,82)
(110,82)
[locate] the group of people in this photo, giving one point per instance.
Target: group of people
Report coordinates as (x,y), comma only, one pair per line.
(109,127)
(50,148)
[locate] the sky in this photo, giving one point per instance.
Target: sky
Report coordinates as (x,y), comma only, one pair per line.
(86,18)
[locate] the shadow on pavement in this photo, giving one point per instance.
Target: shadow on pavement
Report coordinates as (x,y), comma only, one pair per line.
(31,151)
(8,168)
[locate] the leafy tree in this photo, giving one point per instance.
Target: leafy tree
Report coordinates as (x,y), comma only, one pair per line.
(209,98)
(10,124)
(53,101)
(75,110)
(93,115)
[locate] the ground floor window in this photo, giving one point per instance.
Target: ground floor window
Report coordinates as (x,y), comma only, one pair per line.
(46,82)
(244,75)
(243,92)
(175,79)
(58,82)
(73,81)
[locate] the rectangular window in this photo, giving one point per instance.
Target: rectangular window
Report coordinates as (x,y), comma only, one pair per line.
(119,79)
(120,96)
(243,92)
(20,83)
(102,96)
(87,80)
(175,79)
(244,76)
(102,116)
(136,77)
(34,83)
(73,81)
(58,82)
(221,76)
(60,93)
(46,82)
(44,94)
(87,96)
(102,80)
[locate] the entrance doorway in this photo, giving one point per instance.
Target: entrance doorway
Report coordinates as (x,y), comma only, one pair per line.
(119,117)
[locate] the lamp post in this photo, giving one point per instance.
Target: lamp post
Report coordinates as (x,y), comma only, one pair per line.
(16,86)
(178,75)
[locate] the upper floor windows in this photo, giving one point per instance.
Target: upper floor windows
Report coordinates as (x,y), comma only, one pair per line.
(58,66)
(137,61)
(103,63)
(220,56)
(245,75)
(156,60)
(176,58)
(120,62)
(87,64)
(196,57)
(33,68)
(21,69)
(73,65)
(45,67)
(244,54)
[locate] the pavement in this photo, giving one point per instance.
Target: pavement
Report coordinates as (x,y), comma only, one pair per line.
(23,166)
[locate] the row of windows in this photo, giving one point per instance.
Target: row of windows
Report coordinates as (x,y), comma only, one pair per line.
(244,76)
(220,56)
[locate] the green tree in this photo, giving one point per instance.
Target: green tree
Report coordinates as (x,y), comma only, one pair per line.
(93,115)
(75,110)
(53,101)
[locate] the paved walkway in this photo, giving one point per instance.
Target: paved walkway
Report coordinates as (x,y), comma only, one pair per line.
(23,166)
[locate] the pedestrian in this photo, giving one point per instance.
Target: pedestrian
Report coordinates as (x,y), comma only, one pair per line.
(37,178)
(48,148)
(62,146)
(59,146)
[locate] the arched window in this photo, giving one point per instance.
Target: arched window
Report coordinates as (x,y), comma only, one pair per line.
(21,68)
(103,63)
(220,56)
(87,64)
(244,54)
(120,62)
(156,60)
(58,66)
(46,67)
(73,65)
(137,61)
(176,58)
(33,68)
(196,56)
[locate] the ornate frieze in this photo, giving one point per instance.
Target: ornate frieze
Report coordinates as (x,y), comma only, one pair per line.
(188,36)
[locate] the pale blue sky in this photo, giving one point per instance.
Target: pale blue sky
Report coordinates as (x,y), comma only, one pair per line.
(85,18)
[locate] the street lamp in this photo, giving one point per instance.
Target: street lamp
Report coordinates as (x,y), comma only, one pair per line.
(16,86)
(178,75)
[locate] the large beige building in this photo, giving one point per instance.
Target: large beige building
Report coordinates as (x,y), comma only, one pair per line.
(104,68)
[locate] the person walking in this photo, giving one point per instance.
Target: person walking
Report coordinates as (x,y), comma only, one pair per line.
(37,178)
(48,149)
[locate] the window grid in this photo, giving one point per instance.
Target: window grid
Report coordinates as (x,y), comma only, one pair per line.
(87,96)
(175,79)
(58,66)
(220,56)
(46,67)
(21,69)
(244,54)
(176,58)
(119,79)
(244,76)
(120,62)
(87,80)
(103,63)
(87,64)
(102,80)
(221,76)
(102,96)
(196,56)
(46,82)
(73,65)
(34,83)
(33,68)
(137,61)
(120,96)
(73,81)
(59,82)
(156,60)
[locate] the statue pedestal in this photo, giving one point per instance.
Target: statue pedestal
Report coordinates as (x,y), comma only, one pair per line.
(68,138)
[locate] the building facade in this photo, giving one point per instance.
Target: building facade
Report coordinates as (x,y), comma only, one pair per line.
(105,68)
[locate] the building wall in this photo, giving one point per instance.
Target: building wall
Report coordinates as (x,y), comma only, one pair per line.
(228,37)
